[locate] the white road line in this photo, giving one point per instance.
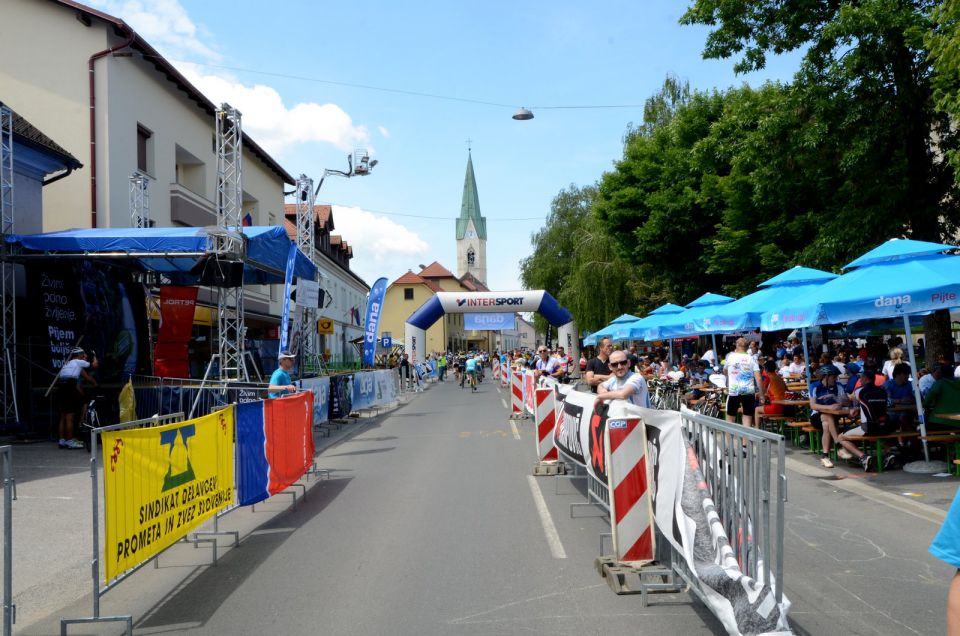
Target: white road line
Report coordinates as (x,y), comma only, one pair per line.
(553,539)
(516,433)
(504,402)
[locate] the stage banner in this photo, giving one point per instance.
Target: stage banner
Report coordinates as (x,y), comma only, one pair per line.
(96,305)
(364,393)
(341,392)
(372,322)
(321,397)
(386,386)
(161,483)
(274,445)
(489,322)
(177,306)
(287,292)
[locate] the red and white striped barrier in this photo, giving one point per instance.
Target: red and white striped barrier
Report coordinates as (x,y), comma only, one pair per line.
(529,384)
(628,479)
(516,395)
(546,419)
(495,369)
(505,375)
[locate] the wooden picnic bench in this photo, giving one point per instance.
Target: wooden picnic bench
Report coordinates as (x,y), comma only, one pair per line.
(878,443)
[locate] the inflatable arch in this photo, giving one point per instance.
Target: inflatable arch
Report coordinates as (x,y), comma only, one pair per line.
(415,336)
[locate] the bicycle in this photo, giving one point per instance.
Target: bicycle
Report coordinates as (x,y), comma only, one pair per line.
(473,382)
(89,421)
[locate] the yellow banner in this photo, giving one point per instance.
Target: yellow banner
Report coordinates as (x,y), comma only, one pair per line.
(161,483)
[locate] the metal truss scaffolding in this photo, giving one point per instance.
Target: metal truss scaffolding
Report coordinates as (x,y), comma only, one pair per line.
(139,200)
(306,242)
(8,320)
(230,318)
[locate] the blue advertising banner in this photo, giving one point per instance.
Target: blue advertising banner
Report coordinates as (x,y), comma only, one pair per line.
(372,322)
(489,322)
(364,390)
(321,397)
(287,291)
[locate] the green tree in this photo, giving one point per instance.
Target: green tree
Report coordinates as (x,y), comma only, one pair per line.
(867,82)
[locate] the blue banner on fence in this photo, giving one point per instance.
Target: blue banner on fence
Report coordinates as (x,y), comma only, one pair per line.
(489,322)
(372,322)
(321,397)
(364,390)
(341,391)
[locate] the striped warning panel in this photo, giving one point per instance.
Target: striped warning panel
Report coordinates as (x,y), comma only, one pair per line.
(631,507)
(516,394)
(545,418)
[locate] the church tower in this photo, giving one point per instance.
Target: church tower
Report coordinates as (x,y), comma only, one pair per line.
(471,231)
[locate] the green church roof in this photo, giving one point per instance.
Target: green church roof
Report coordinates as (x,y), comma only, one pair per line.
(470,208)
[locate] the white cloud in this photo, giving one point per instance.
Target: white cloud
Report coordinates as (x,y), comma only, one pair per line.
(383,131)
(165,24)
(274,125)
(381,246)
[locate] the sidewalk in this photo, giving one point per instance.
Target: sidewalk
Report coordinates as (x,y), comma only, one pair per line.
(52,526)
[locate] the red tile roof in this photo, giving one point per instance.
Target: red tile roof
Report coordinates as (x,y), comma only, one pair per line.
(415,279)
(473,280)
(324,213)
(436,270)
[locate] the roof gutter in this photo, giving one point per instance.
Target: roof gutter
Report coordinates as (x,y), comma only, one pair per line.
(131,36)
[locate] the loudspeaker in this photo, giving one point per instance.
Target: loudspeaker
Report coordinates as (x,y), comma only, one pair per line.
(219,273)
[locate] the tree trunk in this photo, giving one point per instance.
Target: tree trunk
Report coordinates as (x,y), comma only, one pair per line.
(937,337)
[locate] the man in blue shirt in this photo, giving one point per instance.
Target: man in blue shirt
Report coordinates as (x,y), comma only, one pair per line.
(901,393)
(946,547)
(470,368)
(280,382)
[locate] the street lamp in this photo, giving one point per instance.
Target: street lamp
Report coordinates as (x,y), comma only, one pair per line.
(523,115)
(359,164)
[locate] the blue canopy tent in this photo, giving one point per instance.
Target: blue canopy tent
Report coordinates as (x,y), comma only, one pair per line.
(899,278)
(744,314)
(633,330)
(608,331)
(172,251)
(667,327)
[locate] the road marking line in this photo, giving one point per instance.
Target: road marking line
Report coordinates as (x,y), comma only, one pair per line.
(516,433)
(553,538)
(504,402)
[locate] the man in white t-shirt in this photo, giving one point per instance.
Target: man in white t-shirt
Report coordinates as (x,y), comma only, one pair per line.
(797,367)
(624,385)
(70,396)
(743,383)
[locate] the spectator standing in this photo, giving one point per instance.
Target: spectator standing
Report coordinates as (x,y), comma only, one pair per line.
(743,383)
(70,397)
(946,547)
(597,369)
(442,367)
(280,381)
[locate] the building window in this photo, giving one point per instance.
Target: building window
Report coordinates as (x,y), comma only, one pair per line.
(471,257)
(144,149)
(408,293)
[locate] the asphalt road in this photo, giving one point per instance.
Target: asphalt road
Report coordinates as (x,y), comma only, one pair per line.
(429,525)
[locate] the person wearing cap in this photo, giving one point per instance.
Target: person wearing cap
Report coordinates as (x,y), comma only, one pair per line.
(827,402)
(280,382)
(70,394)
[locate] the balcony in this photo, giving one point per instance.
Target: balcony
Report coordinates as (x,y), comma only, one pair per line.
(189,208)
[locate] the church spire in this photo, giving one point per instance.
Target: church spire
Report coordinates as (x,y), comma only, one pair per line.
(470,206)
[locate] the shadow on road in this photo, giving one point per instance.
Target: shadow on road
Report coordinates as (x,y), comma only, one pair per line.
(199,598)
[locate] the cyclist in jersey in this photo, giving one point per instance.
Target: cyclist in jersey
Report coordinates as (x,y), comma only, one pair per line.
(470,370)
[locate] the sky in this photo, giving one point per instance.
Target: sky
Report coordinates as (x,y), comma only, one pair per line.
(412,82)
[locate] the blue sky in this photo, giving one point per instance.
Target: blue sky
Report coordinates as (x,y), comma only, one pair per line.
(288,66)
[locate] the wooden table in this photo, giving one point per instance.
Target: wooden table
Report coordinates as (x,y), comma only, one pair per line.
(791,402)
(950,416)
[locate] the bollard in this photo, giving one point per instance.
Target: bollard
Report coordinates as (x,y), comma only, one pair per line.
(544,416)
(516,396)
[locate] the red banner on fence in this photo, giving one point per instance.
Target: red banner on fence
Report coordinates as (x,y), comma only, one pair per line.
(177,306)
(288,428)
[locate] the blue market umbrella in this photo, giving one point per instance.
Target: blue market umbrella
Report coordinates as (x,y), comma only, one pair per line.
(896,279)
(608,331)
(682,324)
(638,329)
(625,330)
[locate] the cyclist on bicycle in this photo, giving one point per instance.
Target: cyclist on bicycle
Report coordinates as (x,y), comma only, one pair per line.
(470,369)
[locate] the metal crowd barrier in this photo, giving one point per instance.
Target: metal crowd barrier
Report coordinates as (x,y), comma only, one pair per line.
(9,495)
(196,398)
(738,465)
(95,516)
